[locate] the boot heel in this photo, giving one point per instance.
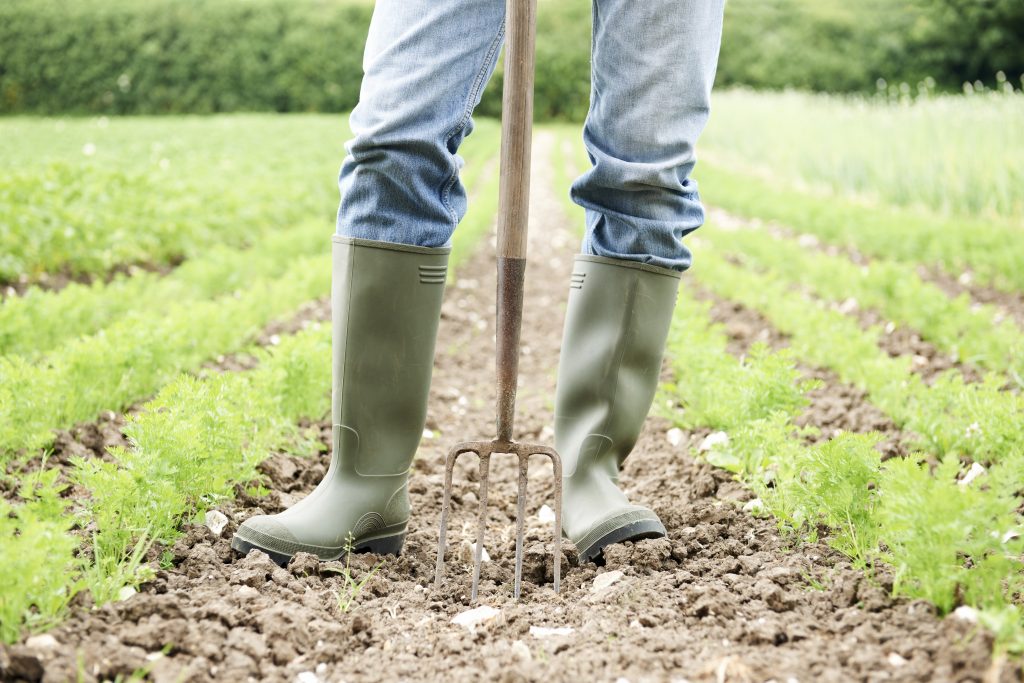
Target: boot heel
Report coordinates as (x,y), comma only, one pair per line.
(388,545)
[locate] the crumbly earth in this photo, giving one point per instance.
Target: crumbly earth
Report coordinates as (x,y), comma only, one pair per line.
(725,597)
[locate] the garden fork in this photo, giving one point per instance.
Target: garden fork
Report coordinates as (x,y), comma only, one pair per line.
(513,199)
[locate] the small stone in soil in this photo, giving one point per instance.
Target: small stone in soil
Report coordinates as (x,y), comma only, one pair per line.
(215,521)
(521,652)
(603,581)
(475,617)
(712,441)
(546,515)
(547,631)
(43,641)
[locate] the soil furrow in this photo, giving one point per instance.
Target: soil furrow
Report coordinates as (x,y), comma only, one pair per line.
(724,598)
(54,282)
(896,340)
(835,406)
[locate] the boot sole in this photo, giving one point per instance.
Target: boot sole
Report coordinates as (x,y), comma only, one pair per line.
(634,531)
(386,545)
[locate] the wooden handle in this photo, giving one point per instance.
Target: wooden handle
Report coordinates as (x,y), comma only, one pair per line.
(514,201)
(516,127)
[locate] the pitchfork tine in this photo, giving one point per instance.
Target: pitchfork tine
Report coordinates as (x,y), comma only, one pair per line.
(485,467)
(449,469)
(524,463)
(556,472)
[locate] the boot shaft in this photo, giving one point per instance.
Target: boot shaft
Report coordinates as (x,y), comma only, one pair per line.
(616,326)
(386,300)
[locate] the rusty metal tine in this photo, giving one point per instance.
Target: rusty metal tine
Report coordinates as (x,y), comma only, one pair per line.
(485,467)
(524,464)
(556,471)
(449,469)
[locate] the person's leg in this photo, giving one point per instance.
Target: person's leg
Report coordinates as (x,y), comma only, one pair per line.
(653,64)
(426,65)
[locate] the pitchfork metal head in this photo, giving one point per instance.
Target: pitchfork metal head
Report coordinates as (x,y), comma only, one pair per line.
(484,450)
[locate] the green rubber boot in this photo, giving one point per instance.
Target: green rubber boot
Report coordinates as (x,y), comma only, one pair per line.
(386,305)
(616,326)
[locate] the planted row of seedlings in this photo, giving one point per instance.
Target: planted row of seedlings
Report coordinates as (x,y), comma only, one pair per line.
(191,445)
(979,420)
(977,334)
(950,541)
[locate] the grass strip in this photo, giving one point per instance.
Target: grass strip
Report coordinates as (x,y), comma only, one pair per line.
(949,543)
(40,320)
(892,233)
(970,333)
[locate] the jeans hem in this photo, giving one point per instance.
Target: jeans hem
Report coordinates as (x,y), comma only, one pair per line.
(636,265)
(391,246)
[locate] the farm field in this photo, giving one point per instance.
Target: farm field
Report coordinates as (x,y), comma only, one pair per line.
(836,449)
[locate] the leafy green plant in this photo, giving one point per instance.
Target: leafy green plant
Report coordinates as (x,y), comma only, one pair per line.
(38,563)
(833,484)
(349,592)
(950,543)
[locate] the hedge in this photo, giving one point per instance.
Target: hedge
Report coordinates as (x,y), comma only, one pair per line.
(203,56)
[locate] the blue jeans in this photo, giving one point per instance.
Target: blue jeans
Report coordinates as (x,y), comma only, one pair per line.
(426,64)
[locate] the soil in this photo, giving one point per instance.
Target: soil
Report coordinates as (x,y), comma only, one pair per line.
(1010,304)
(58,280)
(725,597)
(835,406)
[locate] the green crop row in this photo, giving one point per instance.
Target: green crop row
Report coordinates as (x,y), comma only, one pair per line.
(141,352)
(893,233)
(949,543)
(41,320)
(974,334)
(951,417)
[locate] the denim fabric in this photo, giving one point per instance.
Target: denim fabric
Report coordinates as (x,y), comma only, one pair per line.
(426,63)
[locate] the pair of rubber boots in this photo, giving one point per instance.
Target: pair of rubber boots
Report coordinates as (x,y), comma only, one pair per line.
(386,303)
